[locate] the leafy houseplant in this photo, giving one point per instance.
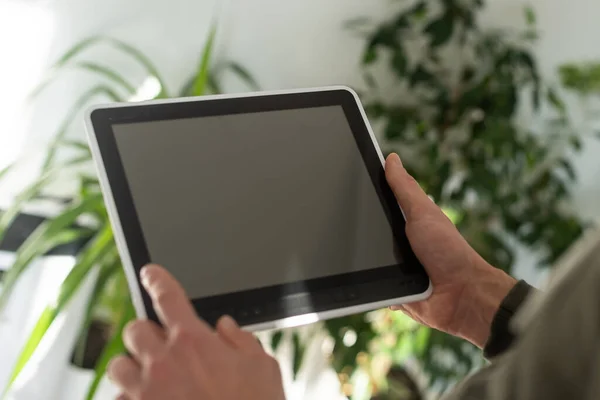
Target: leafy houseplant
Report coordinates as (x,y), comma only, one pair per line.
(450,106)
(109,306)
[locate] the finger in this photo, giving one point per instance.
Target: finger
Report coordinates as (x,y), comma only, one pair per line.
(126,374)
(237,338)
(168,297)
(410,196)
(144,339)
(123,396)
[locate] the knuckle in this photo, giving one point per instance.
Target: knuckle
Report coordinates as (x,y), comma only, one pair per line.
(134,328)
(157,369)
(182,339)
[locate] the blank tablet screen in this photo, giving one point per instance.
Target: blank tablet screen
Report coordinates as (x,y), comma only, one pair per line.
(244,201)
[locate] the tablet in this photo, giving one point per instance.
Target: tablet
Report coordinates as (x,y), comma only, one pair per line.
(270,207)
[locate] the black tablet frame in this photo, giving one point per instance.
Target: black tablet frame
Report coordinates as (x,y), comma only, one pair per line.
(256,306)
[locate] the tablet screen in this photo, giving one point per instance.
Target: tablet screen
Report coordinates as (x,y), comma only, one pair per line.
(235,202)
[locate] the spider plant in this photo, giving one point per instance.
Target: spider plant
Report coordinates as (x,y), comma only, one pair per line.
(83,214)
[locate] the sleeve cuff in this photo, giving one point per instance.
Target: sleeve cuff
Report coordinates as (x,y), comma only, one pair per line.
(501,336)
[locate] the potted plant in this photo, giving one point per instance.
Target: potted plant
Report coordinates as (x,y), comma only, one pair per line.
(94,294)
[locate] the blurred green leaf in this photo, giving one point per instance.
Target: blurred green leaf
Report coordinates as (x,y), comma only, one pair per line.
(357,23)
(23,198)
(276,340)
(298,354)
(81,102)
(107,270)
(440,30)
(399,62)
(114,347)
(94,252)
(45,237)
(203,69)
(369,56)
(5,170)
(97,69)
(244,74)
(85,44)
(421,339)
(555,100)
(529,16)
(575,141)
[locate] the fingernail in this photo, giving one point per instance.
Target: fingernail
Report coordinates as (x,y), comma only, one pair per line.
(394,159)
(145,275)
(228,323)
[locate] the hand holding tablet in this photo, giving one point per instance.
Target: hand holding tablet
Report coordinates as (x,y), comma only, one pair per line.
(269,207)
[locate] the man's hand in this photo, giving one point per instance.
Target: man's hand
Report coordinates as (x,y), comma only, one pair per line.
(187,360)
(467,291)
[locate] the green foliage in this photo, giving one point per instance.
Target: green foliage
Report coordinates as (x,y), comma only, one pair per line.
(583,79)
(109,300)
(451,114)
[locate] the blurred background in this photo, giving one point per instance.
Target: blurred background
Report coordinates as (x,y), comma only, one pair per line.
(493,106)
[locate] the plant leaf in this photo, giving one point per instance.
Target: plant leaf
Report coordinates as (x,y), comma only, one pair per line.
(244,74)
(80,47)
(45,237)
(213,84)
(107,73)
(25,196)
(555,100)
(98,69)
(107,270)
(5,170)
(440,30)
(529,16)
(114,347)
(276,340)
(94,253)
(79,104)
(202,75)
(298,354)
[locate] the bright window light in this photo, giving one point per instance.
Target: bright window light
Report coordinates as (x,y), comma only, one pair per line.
(149,89)
(26,31)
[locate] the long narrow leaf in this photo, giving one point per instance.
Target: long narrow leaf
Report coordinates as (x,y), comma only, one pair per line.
(114,347)
(5,170)
(93,254)
(22,198)
(107,73)
(80,47)
(75,144)
(88,66)
(202,75)
(213,83)
(107,271)
(142,59)
(73,112)
(243,74)
(187,88)
(31,192)
(45,237)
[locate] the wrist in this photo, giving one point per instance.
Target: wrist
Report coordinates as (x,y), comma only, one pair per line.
(488,290)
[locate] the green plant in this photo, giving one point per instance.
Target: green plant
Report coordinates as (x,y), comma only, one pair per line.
(450,107)
(109,302)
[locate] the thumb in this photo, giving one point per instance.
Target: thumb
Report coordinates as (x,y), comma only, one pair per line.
(410,196)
